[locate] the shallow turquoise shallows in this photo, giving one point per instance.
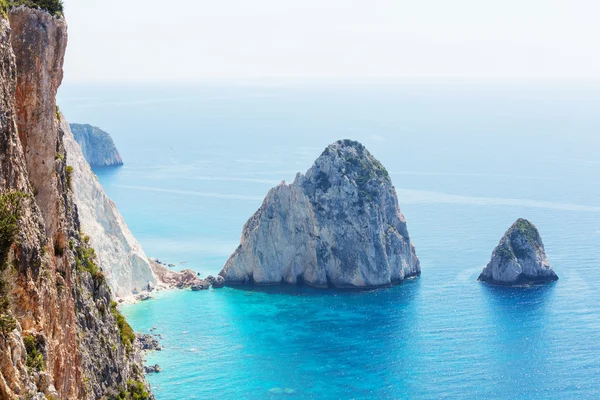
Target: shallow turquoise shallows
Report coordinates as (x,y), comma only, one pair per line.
(467,161)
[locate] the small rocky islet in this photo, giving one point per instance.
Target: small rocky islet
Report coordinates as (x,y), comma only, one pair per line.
(339,225)
(519,258)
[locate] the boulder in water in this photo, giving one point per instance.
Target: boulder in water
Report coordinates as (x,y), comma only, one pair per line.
(519,258)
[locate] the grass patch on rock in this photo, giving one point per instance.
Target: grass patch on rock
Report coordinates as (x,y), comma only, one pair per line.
(35,356)
(10,213)
(54,7)
(126,332)
(134,391)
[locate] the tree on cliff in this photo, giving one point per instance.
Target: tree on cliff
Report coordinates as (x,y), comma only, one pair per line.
(54,7)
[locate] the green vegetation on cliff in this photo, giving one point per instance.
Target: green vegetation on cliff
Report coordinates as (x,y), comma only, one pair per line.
(69,171)
(134,391)
(85,260)
(125,330)
(10,212)
(54,7)
(528,230)
(35,356)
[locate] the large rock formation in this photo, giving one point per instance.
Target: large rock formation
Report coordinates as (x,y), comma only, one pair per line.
(61,336)
(519,258)
(96,145)
(121,257)
(339,225)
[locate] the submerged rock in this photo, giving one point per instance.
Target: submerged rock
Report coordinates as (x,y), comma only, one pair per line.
(200,286)
(143,297)
(152,369)
(279,391)
(146,342)
(216,282)
(519,258)
(339,225)
(96,145)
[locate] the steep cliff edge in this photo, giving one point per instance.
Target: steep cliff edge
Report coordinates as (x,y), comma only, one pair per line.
(61,335)
(39,42)
(519,258)
(121,257)
(96,145)
(339,225)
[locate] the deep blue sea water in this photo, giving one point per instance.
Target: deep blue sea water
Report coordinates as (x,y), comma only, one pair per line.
(467,160)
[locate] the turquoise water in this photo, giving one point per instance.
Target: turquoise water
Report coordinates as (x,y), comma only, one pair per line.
(466,161)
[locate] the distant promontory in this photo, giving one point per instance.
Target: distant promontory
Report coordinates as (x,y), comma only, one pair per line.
(96,145)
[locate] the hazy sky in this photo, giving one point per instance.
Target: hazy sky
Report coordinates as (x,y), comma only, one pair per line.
(197,40)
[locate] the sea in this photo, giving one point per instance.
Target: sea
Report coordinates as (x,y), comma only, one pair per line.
(467,160)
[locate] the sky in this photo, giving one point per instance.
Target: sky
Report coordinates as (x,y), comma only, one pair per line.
(251,40)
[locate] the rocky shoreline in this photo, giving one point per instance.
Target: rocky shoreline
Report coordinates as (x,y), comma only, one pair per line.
(167,279)
(146,343)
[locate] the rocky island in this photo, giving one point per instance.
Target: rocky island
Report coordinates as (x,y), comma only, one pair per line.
(96,145)
(519,258)
(339,225)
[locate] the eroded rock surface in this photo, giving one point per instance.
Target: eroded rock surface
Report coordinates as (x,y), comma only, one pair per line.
(339,225)
(519,258)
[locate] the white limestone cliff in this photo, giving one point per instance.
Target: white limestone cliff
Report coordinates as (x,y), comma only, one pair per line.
(121,257)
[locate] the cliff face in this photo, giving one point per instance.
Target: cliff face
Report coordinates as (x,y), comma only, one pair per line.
(96,145)
(339,225)
(121,257)
(60,334)
(519,258)
(39,41)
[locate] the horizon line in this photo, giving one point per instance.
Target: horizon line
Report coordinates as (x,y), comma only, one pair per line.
(346,81)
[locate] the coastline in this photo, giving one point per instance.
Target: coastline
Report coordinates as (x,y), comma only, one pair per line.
(167,280)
